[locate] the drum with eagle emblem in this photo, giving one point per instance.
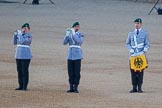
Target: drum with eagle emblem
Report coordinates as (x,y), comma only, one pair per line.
(138,63)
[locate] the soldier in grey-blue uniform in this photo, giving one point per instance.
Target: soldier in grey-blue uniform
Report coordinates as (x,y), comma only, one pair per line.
(22,39)
(75,39)
(137,43)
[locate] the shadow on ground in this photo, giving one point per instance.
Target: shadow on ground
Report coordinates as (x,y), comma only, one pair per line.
(4,1)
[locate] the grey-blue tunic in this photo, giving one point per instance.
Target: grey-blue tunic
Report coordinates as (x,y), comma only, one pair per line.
(74,53)
(23,42)
(142,39)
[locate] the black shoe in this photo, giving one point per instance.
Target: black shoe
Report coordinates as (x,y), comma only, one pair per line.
(25,86)
(70,91)
(20,88)
(35,3)
(133,91)
(24,89)
(140,91)
(76,89)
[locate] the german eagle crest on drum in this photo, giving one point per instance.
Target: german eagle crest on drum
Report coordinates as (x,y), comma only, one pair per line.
(138,63)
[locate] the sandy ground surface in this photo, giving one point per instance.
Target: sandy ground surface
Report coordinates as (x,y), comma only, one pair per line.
(105,81)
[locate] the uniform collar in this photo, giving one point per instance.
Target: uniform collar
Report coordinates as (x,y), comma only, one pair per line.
(136,30)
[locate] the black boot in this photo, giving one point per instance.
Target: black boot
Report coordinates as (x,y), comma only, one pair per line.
(140,89)
(71,89)
(20,86)
(25,87)
(76,89)
(134,89)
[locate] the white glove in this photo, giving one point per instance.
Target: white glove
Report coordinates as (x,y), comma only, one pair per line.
(145,49)
(19,32)
(15,33)
(131,51)
(68,31)
(73,31)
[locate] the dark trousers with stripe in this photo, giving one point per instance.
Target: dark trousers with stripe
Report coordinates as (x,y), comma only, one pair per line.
(137,79)
(74,67)
(23,72)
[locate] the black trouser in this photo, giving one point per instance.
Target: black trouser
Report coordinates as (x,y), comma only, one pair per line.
(137,79)
(23,72)
(74,67)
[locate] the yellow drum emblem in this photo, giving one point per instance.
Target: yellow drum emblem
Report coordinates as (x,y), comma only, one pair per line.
(138,63)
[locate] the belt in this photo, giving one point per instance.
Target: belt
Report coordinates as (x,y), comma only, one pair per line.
(138,45)
(74,46)
(27,46)
(137,54)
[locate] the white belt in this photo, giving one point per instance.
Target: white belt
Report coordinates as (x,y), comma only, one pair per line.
(27,46)
(74,46)
(138,45)
(137,54)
